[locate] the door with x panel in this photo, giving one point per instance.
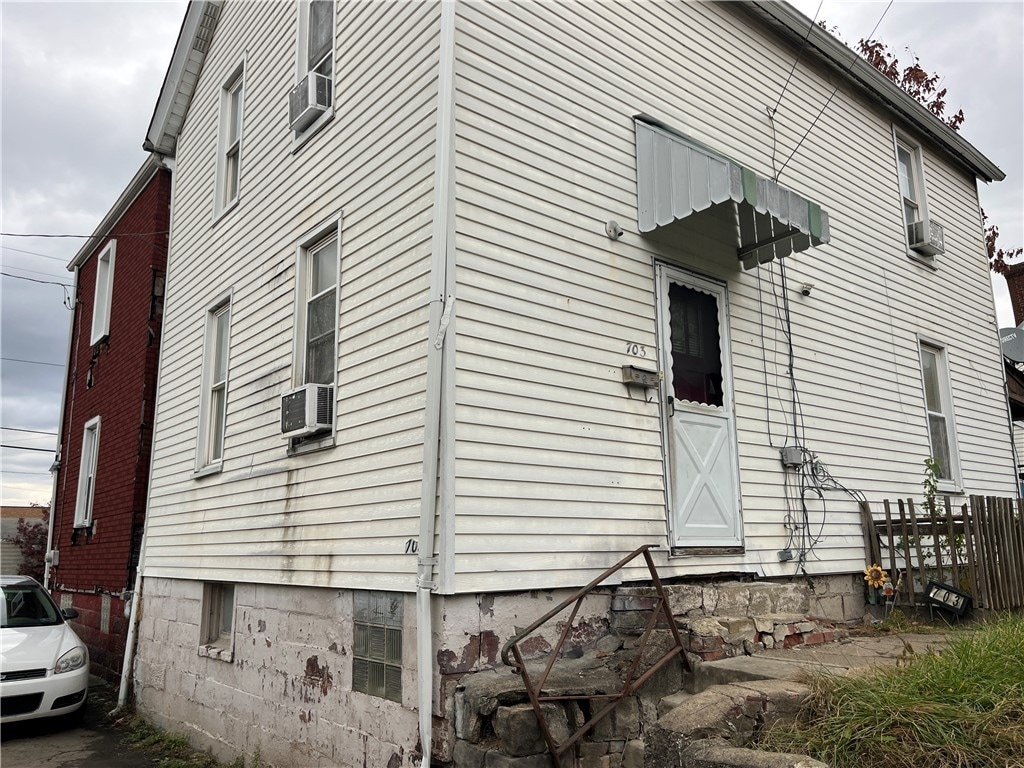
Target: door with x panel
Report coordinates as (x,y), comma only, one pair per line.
(703,470)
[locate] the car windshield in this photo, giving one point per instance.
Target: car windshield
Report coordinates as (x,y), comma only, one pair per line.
(27,605)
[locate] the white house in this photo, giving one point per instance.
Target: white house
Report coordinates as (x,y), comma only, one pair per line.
(466,301)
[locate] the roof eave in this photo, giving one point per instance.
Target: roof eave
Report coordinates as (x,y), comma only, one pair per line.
(794,26)
(182,73)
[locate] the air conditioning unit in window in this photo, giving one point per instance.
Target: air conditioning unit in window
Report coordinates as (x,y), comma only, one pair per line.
(307,409)
(308,100)
(925,237)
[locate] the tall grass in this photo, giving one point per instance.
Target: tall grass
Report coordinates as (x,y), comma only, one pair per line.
(962,708)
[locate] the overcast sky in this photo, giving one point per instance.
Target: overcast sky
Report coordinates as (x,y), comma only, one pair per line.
(80,80)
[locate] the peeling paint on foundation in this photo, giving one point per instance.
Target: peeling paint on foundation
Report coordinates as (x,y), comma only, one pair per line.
(317,676)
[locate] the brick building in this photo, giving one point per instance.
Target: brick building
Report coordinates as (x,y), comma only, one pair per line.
(107,414)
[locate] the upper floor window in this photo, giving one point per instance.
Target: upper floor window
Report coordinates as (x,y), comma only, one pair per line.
(87,473)
(310,101)
(939,409)
(229,168)
(924,236)
(320,305)
(213,404)
(104,293)
(908,163)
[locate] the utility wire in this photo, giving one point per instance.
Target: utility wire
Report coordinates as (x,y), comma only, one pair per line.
(112,235)
(33,431)
(853,62)
(33,280)
(803,47)
(34,253)
(26,448)
(30,362)
(33,271)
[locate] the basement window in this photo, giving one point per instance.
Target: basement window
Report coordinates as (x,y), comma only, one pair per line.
(377,645)
(217,631)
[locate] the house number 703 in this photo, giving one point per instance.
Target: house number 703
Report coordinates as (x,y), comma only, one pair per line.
(636,350)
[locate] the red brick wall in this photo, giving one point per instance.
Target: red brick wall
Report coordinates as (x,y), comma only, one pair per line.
(106,639)
(1015,282)
(116,381)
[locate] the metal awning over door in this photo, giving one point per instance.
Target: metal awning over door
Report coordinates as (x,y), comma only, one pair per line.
(677,177)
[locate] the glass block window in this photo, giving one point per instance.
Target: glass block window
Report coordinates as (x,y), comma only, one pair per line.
(377,645)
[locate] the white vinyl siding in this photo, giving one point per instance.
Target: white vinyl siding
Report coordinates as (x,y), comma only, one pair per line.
(558,470)
(87,473)
(339,516)
(104,294)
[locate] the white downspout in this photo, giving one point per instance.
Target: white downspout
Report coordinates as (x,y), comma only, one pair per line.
(441,305)
(133,618)
(59,454)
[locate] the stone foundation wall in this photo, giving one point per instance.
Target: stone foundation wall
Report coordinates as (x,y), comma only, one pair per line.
(287,688)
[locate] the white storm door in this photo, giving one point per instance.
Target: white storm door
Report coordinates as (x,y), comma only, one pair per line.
(702,466)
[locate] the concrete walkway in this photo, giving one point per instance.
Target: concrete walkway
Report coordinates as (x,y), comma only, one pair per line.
(850,653)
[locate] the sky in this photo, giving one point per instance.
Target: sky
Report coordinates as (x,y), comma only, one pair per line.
(79,80)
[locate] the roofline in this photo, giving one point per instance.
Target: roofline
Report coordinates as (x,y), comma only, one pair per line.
(794,27)
(142,177)
(180,79)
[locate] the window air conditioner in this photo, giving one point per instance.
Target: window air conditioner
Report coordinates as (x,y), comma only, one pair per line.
(308,100)
(925,237)
(307,409)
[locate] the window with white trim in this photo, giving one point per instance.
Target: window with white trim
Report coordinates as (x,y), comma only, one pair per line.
(217,629)
(214,401)
(229,165)
(908,165)
(87,473)
(312,99)
(939,412)
(104,293)
(317,306)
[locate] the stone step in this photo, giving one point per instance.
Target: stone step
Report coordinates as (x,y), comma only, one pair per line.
(668,703)
(741,669)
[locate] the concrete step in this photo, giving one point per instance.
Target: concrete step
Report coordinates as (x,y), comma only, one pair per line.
(668,703)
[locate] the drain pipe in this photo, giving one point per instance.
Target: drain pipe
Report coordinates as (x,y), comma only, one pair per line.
(133,616)
(442,301)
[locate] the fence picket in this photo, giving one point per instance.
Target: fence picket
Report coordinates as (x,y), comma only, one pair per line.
(954,556)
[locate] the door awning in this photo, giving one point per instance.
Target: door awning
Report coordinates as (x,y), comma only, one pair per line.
(677,177)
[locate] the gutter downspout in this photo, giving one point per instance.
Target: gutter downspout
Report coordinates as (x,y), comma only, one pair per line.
(61,431)
(441,303)
(133,618)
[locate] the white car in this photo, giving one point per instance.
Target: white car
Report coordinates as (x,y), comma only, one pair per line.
(44,667)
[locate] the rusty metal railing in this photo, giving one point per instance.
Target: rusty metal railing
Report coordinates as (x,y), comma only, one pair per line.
(630,683)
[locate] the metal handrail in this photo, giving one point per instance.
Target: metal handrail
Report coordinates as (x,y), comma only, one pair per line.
(630,685)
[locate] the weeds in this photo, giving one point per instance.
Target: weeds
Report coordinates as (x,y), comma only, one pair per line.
(963,707)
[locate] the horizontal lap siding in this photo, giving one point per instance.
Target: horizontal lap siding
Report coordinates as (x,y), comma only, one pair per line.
(558,468)
(340,516)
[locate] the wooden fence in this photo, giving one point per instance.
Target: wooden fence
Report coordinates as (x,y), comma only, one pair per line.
(978,548)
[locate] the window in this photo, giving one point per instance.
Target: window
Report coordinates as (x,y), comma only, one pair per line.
(87,473)
(104,291)
(317,308)
(218,621)
(309,103)
(939,409)
(213,406)
(229,163)
(377,644)
(908,164)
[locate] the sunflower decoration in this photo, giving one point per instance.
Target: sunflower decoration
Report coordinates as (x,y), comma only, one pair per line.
(875,576)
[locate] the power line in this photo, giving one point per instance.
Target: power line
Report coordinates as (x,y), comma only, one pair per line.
(34,253)
(33,271)
(856,58)
(33,431)
(112,235)
(25,448)
(33,280)
(30,362)
(15,472)
(803,47)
